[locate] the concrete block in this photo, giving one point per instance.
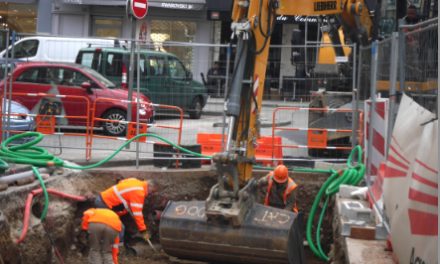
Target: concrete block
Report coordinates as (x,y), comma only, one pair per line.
(355,210)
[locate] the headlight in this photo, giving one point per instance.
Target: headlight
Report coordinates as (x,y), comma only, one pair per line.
(142,111)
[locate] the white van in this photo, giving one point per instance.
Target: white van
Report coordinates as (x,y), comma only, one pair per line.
(60,49)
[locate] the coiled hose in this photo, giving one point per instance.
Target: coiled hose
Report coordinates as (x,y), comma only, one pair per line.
(352,175)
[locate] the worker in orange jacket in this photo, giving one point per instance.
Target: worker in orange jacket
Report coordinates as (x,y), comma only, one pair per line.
(280,191)
(128,196)
(103,227)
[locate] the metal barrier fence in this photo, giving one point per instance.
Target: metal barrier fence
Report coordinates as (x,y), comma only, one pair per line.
(405,63)
(182,77)
(332,139)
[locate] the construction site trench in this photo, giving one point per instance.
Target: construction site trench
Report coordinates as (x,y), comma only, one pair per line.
(55,240)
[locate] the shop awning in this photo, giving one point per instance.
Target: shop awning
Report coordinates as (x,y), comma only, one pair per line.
(170,4)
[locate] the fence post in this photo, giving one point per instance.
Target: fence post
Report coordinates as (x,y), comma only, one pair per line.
(393,81)
(355,101)
(226,91)
(10,83)
(3,136)
(402,56)
(373,78)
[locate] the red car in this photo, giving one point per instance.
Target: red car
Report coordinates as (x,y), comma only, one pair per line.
(74,80)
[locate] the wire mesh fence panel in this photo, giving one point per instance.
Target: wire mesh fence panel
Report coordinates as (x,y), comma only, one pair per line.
(383,65)
(364,72)
(419,61)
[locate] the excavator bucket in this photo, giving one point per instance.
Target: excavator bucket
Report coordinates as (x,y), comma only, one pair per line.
(267,235)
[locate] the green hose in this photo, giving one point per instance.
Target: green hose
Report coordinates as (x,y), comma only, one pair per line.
(46,194)
(352,175)
(28,153)
(128,142)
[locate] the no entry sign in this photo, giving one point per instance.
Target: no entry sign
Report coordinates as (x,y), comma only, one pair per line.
(139,8)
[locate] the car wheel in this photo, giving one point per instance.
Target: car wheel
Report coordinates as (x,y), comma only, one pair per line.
(196,109)
(116,129)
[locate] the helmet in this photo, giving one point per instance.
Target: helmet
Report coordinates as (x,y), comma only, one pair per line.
(281,173)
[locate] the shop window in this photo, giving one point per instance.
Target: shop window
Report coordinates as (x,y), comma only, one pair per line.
(177,31)
(107,27)
(18,17)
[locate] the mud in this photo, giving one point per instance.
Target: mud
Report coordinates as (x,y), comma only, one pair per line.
(63,220)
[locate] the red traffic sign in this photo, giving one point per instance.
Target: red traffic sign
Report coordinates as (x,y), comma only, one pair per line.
(139,8)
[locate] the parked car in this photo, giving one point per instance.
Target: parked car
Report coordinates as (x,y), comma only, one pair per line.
(164,78)
(67,79)
(19,120)
(58,49)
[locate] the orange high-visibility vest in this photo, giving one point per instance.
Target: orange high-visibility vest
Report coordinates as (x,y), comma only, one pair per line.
(291,185)
(131,193)
(107,217)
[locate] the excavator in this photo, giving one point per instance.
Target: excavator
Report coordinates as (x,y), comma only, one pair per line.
(230,226)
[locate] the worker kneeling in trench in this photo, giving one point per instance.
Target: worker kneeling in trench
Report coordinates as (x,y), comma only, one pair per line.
(101,227)
(128,197)
(280,192)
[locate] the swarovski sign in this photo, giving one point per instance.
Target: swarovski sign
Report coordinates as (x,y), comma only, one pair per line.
(177,6)
(174,5)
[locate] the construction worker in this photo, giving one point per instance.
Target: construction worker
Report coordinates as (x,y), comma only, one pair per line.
(103,227)
(128,196)
(280,192)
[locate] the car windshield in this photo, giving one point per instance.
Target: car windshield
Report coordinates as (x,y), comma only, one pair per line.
(100,78)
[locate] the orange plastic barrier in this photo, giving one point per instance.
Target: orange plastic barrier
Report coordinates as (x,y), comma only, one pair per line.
(45,124)
(131,131)
(268,152)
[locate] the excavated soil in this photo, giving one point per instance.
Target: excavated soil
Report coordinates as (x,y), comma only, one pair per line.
(63,220)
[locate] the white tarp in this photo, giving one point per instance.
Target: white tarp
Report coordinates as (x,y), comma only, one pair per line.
(410,184)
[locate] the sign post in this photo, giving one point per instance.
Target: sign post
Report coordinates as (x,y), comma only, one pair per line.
(136,9)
